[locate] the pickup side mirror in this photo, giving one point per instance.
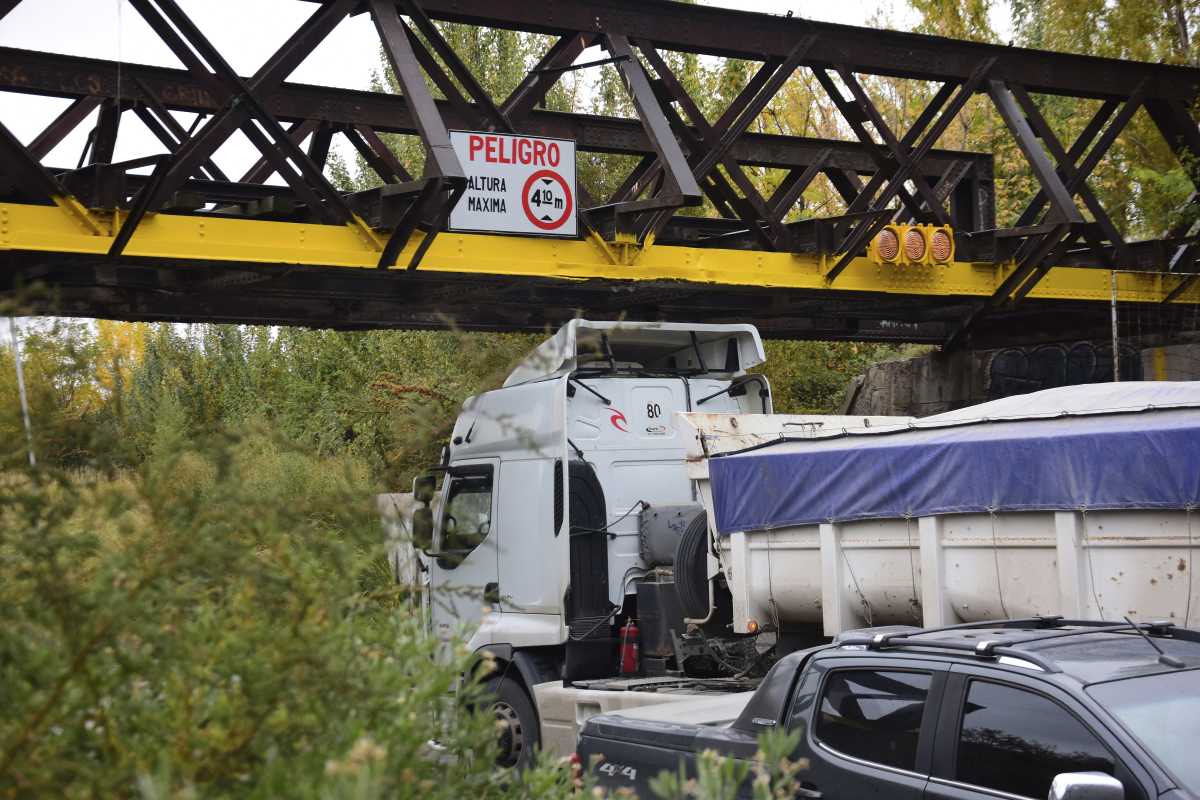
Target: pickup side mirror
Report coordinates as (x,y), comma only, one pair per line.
(424,487)
(1085,786)
(422,528)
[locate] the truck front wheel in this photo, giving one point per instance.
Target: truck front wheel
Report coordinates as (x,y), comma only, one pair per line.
(517,722)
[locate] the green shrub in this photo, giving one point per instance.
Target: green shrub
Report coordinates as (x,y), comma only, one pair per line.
(773,775)
(197,628)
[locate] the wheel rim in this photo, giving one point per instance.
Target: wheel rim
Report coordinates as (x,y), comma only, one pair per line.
(512,738)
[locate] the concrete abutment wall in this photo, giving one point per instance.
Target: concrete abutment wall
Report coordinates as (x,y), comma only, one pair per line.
(942,381)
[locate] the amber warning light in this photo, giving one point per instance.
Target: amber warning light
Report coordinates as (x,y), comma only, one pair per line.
(913,245)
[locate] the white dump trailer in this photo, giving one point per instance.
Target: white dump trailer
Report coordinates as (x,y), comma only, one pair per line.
(1082,502)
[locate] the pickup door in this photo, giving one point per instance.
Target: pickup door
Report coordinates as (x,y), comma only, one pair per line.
(868,726)
(1003,735)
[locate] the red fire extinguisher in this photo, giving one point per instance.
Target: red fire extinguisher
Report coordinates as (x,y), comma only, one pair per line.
(629,648)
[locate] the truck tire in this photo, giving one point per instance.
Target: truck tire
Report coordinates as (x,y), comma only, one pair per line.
(517,720)
(691,568)
(586,496)
(588,592)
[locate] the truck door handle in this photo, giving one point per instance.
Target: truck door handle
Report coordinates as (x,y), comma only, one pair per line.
(811,794)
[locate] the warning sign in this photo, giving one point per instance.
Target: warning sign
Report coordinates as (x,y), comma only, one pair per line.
(515,184)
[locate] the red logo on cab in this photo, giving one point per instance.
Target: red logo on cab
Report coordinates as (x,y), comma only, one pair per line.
(618,421)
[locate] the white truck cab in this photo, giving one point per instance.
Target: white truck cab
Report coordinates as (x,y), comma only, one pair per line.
(566,489)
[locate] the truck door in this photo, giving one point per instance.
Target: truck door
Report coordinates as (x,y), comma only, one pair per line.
(867,727)
(465,568)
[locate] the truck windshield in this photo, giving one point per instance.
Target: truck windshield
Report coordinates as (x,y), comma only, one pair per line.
(1163,712)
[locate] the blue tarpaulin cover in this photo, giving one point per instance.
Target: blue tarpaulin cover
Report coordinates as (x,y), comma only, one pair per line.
(1143,459)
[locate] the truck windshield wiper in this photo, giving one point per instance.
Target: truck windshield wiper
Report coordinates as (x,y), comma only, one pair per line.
(578,382)
(664,372)
(732,385)
(738,384)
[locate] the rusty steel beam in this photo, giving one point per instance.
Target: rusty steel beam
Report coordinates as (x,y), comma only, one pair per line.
(712,147)
(72,77)
(929,131)
(170,132)
(198,54)
(744,34)
(33,181)
(541,79)
(62,125)
(1076,182)
(679,188)
(376,153)
(1062,203)
(104,135)
(444,179)
(262,169)
(461,72)
(900,149)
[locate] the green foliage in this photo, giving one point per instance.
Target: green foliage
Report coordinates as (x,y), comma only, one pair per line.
(775,774)
(956,19)
(387,397)
(811,377)
(60,389)
(197,628)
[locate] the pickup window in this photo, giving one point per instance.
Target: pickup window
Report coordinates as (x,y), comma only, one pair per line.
(1015,741)
(874,716)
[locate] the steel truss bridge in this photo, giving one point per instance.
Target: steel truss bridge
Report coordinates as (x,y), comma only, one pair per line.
(170,236)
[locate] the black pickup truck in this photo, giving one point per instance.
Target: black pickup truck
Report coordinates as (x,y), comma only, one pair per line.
(1030,708)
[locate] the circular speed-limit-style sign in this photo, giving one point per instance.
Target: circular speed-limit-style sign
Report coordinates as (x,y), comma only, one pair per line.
(546,199)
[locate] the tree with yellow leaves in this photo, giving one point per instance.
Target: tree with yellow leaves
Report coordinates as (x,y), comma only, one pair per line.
(120,347)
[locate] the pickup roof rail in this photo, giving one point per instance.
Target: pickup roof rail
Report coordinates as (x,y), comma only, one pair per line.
(991,648)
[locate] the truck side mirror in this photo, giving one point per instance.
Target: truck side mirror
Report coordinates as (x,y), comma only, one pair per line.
(424,487)
(1085,786)
(422,528)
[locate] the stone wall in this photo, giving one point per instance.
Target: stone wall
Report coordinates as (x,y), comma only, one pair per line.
(945,381)
(1177,362)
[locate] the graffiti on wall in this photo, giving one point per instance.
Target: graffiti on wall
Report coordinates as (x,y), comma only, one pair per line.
(1019,370)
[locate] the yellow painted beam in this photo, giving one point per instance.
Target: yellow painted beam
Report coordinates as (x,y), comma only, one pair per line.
(79,214)
(48,229)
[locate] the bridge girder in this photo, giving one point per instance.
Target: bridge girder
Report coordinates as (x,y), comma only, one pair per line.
(788,275)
